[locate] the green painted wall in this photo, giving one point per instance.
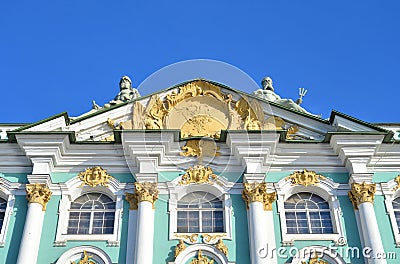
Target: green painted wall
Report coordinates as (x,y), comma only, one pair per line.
(9,253)
(15,177)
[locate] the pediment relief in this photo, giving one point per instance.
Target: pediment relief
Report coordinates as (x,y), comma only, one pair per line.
(199,109)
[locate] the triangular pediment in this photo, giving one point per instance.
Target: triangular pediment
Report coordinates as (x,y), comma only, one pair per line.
(200,108)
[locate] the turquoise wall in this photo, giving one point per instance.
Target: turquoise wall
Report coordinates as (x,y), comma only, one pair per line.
(9,253)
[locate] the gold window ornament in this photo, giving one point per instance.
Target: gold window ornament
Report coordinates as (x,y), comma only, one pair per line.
(315,260)
(86,259)
(94,176)
(201,259)
(198,175)
(305,178)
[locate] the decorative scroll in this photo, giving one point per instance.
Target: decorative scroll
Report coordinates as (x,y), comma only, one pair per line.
(198,174)
(179,248)
(200,148)
(131,199)
(304,177)
(397,180)
(208,238)
(94,176)
(86,259)
(257,192)
(38,193)
(192,238)
(315,260)
(146,191)
(361,193)
(202,125)
(201,260)
(222,247)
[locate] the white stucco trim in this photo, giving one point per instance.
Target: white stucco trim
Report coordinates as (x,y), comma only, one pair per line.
(327,189)
(206,250)
(7,192)
(390,195)
(73,190)
(328,254)
(73,254)
(178,191)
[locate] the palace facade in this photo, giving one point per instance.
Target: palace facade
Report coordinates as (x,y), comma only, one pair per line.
(199,173)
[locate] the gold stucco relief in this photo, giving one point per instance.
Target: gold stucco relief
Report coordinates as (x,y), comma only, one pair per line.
(361,193)
(315,260)
(131,199)
(179,247)
(146,191)
(304,177)
(201,259)
(86,259)
(94,176)
(198,174)
(38,193)
(257,192)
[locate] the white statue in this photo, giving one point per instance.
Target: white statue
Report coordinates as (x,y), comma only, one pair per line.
(268,93)
(126,93)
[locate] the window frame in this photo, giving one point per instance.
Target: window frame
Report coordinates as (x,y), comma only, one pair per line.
(70,194)
(177,192)
(10,200)
(390,195)
(327,190)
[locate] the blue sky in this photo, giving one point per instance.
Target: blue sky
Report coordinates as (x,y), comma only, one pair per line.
(58,56)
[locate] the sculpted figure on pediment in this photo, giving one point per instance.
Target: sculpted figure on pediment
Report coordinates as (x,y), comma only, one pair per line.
(268,93)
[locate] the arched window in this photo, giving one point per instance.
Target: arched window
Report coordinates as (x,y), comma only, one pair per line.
(3,206)
(200,212)
(396,210)
(91,213)
(307,213)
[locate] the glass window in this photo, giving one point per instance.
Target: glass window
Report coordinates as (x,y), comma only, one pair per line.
(3,205)
(200,212)
(307,213)
(396,210)
(91,213)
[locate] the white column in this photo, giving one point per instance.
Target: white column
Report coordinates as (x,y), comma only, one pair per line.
(132,225)
(260,222)
(362,196)
(38,195)
(371,235)
(145,233)
(146,194)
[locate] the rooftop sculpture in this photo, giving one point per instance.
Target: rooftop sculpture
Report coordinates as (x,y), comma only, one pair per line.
(269,94)
(125,94)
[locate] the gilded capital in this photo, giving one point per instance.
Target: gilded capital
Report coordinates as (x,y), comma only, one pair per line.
(146,191)
(257,192)
(361,193)
(38,193)
(131,199)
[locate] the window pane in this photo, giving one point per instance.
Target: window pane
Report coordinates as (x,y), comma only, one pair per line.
(3,204)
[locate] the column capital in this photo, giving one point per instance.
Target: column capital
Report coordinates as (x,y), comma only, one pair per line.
(361,193)
(131,199)
(257,192)
(38,193)
(146,191)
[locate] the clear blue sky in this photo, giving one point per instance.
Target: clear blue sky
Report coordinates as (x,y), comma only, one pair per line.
(57,56)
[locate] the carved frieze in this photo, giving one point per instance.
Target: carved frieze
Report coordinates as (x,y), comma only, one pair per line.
(198,174)
(304,177)
(94,176)
(257,192)
(38,193)
(189,238)
(361,193)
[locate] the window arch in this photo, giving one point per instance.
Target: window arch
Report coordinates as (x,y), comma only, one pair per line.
(200,212)
(91,213)
(396,211)
(307,213)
